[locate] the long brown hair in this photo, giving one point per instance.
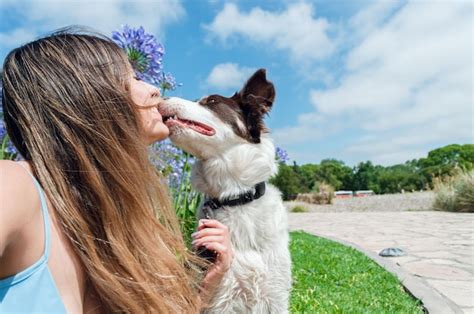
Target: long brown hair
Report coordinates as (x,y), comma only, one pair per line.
(67,110)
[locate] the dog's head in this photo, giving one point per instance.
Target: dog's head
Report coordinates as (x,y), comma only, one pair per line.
(213,124)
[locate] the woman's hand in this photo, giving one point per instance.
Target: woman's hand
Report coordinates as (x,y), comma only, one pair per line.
(214,236)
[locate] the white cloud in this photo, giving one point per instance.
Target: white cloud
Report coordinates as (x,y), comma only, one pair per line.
(228,75)
(367,20)
(408,84)
(310,127)
(295,29)
(396,146)
(16,37)
(38,18)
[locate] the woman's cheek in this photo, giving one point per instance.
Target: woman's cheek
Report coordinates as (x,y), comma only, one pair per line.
(157,130)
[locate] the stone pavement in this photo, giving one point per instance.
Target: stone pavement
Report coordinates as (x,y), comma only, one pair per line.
(439,266)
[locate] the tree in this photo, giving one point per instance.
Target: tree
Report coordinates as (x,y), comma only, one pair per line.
(287,181)
(335,173)
(308,176)
(365,177)
(444,161)
(399,177)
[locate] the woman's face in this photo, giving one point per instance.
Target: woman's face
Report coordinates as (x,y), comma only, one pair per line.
(143,95)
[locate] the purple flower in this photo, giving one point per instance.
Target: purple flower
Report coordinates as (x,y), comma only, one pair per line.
(3,131)
(5,142)
(7,150)
(171,161)
(144,52)
(281,155)
(168,82)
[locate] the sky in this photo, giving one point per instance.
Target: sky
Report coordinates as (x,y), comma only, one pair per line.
(356,80)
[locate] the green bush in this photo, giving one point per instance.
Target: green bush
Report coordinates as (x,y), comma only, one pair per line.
(321,194)
(465,189)
(455,193)
(299,209)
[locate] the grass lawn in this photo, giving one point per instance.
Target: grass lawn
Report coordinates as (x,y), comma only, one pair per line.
(331,278)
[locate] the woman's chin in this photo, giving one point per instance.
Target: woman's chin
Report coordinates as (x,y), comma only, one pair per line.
(159,133)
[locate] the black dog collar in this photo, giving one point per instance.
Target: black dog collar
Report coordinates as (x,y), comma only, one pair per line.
(244,198)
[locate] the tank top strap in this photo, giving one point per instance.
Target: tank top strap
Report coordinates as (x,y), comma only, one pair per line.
(45,214)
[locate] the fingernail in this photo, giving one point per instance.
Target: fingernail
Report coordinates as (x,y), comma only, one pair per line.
(195,234)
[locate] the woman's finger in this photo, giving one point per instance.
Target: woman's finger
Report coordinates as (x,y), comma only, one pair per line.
(213,223)
(223,252)
(207,232)
(208,239)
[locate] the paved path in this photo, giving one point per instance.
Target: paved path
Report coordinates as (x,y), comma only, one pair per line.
(439,265)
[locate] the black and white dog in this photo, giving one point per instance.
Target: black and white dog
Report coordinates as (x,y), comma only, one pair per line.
(235,159)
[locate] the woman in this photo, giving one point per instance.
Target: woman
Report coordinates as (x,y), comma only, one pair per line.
(104,236)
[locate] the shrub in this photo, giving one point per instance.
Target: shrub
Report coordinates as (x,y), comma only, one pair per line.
(323,194)
(327,191)
(455,193)
(299,209)
(465,192)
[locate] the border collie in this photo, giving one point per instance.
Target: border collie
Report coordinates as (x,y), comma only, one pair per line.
(235,160)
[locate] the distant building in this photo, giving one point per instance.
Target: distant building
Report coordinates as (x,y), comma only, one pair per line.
(363,193)
(343,194)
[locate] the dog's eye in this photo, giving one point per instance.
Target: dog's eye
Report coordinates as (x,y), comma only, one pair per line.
(211,101)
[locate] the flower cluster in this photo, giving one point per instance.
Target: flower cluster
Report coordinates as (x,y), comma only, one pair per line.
(171,161)
(168,82)
(6,146)
(281,155)
(143,50)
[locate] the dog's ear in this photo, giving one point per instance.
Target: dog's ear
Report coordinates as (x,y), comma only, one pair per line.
(236,97)
(256,99)
(258,90)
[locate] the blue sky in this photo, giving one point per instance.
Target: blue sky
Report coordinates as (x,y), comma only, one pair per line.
(385,81)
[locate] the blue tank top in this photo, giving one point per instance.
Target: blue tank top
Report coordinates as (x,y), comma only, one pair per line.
(33,290)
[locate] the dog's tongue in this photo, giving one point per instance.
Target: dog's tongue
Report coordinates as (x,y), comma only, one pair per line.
(194,125)
(201,128)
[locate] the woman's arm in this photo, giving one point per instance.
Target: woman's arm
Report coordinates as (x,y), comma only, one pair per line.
(214,236)
(18,206)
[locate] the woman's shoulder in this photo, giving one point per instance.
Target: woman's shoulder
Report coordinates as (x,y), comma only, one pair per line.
(16,183)
(18,199)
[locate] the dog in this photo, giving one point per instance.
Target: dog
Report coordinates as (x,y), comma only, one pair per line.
(235,159)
